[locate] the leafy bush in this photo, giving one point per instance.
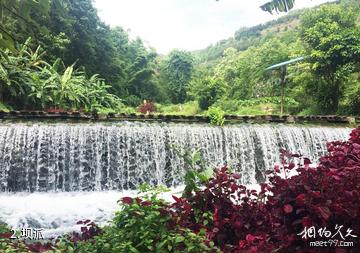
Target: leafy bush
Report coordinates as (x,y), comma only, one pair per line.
(209,92)
(216,116)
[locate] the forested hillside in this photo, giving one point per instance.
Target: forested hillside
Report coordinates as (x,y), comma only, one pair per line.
(231,75)
(59,55)
(251,36)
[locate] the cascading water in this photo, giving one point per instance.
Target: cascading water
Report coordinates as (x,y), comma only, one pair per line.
(52,175)
(121,156)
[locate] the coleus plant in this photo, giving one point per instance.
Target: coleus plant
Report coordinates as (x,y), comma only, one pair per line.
(324,196)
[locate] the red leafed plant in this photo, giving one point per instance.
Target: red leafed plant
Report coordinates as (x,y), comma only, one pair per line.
(147,107)
(325,196)
(88,230)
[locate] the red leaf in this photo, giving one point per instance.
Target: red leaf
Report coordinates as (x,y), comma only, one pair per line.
(288,208)
(277,169)
(236,176)
(291,166)
(127,200)
(146,203)
(177,200)
(5,235)
(306,222)
(300,199)
(250,238)
(324,212)
(307,161)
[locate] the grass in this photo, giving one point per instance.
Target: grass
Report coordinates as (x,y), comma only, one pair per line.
(261,109)
(188,109)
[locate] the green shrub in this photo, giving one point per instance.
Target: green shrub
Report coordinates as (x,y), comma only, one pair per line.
(216,116)
(144,224)
(9,245)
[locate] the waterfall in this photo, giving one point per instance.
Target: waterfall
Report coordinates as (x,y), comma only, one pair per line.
(39,157)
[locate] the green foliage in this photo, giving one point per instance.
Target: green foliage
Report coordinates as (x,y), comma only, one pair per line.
(216,116)
(142,225)
(246,37)
(333,44)
(224,75)
(177,70)
(256,106)
(197,173)
(16,73)
(328,34)
(4,108)
(72,31)
(243,74)
(209,91)
(352,96)
(27,80)
(132,100)
(9,245)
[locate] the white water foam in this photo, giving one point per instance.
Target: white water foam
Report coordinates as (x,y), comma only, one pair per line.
(57,213)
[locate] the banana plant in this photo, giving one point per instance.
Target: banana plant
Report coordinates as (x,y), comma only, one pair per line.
(15,72)
(98,96)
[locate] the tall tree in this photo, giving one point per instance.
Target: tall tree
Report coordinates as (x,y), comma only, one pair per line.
(333,44)
(177,70)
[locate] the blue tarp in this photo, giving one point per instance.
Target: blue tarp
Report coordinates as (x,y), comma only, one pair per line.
(286,63)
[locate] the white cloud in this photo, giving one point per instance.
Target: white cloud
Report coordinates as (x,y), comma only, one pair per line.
(185,24)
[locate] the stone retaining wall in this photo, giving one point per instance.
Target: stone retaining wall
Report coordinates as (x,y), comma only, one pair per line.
(77,116)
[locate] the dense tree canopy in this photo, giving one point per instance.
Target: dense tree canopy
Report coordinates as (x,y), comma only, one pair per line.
(72,50)
(177,70)
(332,40)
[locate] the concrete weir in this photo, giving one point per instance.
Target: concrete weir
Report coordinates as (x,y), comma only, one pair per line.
(82,116)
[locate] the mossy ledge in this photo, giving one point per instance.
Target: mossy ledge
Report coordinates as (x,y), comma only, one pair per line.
(229,119)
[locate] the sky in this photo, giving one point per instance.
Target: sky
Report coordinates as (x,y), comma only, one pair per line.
(185,24)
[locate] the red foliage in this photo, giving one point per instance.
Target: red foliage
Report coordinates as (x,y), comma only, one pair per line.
(147,107)
(40,247)
(127,200)
(325,196)
(88,231)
